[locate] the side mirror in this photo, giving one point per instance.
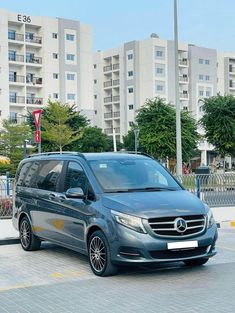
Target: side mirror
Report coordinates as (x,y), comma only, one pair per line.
(75,193)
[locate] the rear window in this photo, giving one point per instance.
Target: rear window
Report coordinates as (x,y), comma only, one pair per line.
(41,175)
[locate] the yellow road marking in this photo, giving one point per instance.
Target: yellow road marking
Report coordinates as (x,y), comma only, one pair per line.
(66,274)
(14,287)
(225,248)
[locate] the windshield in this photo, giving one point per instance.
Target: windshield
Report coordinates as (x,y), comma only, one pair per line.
(122,175)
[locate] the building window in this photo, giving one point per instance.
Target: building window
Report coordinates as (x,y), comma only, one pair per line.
(12,55)
(160,87)
(55,95)
(185,108)
(159,70)
(207,77)
(13,117)
(207,62)
(55,75)
(70,37)
(71,96)
(55,55)
(159,52)
(54,35)
(11,34)
(95,96)
(200,61)
(208,93)
(130,90)
(95,81)
(70,76)
(94,66)
(200,77)
(130,73)
(201,93)
(131,106)
(131,124)
(70,57)
(130,56)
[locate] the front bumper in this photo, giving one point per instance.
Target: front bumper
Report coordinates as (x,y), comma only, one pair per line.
(134,247)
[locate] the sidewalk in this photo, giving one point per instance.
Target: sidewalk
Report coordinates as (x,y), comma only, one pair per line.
(224,216)
(8,234)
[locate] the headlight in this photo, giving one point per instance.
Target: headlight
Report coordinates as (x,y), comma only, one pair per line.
(210,219)
(129,221)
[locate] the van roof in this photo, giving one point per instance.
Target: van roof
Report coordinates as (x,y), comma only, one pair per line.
(95,155)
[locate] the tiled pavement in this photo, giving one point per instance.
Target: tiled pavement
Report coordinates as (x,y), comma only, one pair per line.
(54,280)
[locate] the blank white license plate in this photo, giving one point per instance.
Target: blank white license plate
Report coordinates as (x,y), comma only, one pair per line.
(182,245)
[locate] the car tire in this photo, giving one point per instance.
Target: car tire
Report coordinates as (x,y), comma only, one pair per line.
(28,240)
(100,256)
(196,262)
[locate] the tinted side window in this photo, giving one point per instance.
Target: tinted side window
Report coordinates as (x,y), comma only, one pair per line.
(48,175)
(20,179)
(75,177)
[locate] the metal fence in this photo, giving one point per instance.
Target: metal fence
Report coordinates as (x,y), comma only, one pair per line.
(6,187)
(213,189)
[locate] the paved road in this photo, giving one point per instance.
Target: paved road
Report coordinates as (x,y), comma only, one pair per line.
(55,280)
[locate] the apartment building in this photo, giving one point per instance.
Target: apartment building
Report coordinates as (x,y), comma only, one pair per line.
(43,58)
(128,75)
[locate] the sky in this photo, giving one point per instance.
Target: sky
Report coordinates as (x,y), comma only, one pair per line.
(207,23)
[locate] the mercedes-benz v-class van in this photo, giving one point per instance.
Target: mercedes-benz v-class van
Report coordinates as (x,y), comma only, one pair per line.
(117,208)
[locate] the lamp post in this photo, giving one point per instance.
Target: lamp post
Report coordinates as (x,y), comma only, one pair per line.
(177,102)
(136,132)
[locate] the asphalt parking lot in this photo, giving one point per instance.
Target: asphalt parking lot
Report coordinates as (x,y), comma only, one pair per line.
(54,279)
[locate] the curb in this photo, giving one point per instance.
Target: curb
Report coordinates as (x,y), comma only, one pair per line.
(9,241)
(226,224)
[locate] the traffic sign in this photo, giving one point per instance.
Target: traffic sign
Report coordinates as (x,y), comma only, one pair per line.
(37,136)
(36,115)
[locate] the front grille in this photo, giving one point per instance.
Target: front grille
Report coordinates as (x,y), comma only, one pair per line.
(165,226)
(178,254)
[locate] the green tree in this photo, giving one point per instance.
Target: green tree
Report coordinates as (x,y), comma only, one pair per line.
(12,138)
(93,140)
(156,121)
(218,122)
(61,126)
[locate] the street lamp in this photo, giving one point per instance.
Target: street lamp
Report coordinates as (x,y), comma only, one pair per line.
(25,147)
(177,102)
(136,132)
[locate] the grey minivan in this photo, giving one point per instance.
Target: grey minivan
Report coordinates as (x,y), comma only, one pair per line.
(117,208)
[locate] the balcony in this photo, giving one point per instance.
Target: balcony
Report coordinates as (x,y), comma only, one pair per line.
(116,66)
(34,80)
(15,57)
(112,114)
(107,68)
(16,99)
(116,98)
(34,60)
(183,79)
(108,115)
(183,62)
(116,114)
(108,84)
(109,131)
(33,39)
(108,99)
(34,100)
(16,79)
(15,36)
(116,82)
(183,95)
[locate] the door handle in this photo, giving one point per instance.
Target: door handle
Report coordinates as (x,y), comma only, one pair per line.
(52,196)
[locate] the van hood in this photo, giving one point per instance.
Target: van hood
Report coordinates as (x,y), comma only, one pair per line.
(155,203)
